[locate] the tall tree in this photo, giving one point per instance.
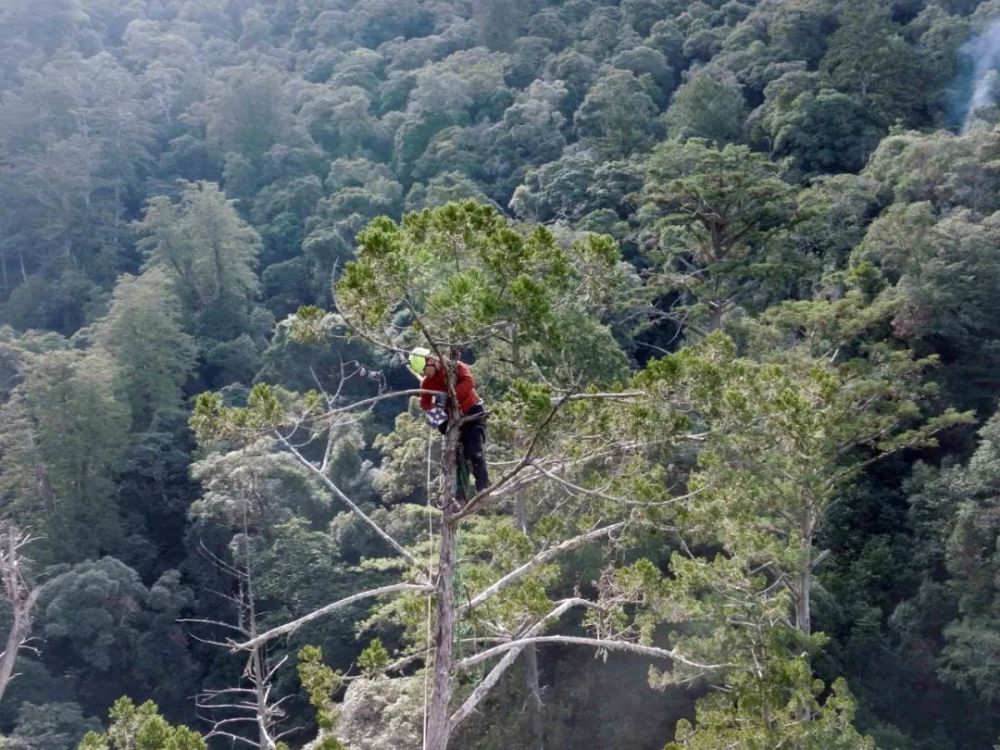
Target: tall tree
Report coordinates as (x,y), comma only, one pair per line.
(144,334)
(20,593)
(619,113)
(720,207)
(705,107)
(868,58)
(941,273)
(824,131)
(207,251)
(782,442)
(246,110)
(499,22)
(956,515)
(64,439)
(450,277)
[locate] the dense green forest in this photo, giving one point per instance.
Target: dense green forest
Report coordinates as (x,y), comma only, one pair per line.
(726,274)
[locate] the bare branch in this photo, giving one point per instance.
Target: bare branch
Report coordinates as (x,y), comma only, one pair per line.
(381,397)
(600,643)
(21,595)
(205,552)
(576,488)
(290,627)
(488,682)
(347,501)
(400,664)
(232,737)
(540,559)
(606,396)
(214,623)
(522,464)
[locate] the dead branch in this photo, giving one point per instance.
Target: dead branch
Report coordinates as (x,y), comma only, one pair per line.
(290,627)
(598,643)
(20,593)
(347,501)
(488,682)
(541,558)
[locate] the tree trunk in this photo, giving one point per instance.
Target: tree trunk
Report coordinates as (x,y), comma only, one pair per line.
(535,726)
(258,662)
(259,678)
(21,596)
(803,591)
(438,730)
(718,308)
(531,682)
(18,632)
(438,723)
(803,586)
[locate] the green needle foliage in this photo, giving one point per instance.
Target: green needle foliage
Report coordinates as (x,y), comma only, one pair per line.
(320,682)
(462,273)
(782,443)
(717,209)
(141,728)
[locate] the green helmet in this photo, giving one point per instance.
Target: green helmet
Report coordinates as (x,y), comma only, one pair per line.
(418,360)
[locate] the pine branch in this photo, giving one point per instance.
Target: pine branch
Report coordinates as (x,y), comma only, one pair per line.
(520,466)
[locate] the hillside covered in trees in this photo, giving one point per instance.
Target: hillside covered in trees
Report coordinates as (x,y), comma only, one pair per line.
(727,275)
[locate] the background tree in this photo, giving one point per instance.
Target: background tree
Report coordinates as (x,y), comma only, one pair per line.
(250,707)
(245,111)
(954,510)
(144,334)
(824,131)
(706,108)
(721,207)
(868,59)
(64,443)
(207,251)
(754,598)
(53,724)
(20,594)
(619,113)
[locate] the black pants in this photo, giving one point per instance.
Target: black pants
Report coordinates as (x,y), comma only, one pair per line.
(472,436)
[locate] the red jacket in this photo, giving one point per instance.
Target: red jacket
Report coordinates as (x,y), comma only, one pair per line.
(465,387)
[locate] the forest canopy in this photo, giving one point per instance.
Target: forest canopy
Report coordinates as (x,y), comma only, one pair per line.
(725,274)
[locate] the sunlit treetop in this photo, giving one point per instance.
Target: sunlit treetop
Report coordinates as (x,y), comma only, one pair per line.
(463,272)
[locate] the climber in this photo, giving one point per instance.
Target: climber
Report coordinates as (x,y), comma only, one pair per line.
(472,431)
